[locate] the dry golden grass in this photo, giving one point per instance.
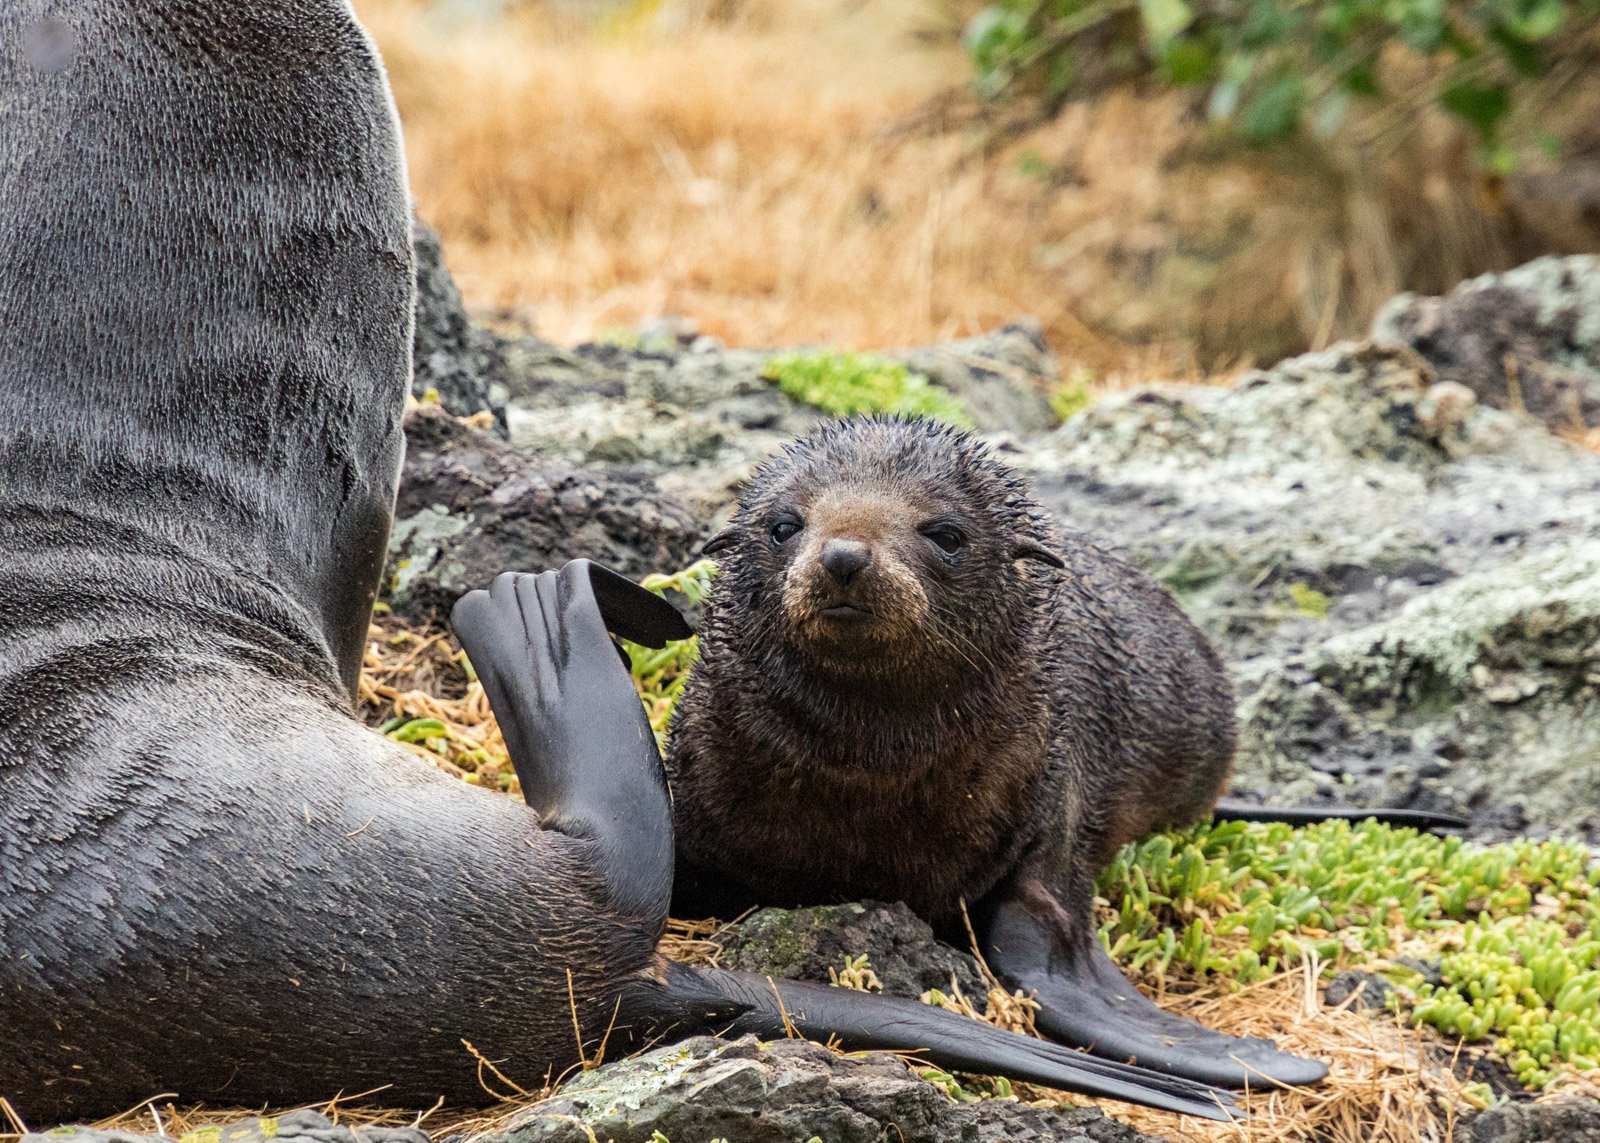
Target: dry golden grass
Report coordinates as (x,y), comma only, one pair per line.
(809,172)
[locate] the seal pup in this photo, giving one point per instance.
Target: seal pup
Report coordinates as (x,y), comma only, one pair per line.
(215,883)
(912,687)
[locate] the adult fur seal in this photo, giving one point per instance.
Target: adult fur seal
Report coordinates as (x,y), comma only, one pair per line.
(214,882)
(912,687)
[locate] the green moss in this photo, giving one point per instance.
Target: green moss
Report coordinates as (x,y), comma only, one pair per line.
(1309,601)
(846,384)
(660,675)
(1073,395)
(1516,928)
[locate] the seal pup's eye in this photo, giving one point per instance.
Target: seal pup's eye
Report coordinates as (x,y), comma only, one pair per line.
(948,540)
(784,531)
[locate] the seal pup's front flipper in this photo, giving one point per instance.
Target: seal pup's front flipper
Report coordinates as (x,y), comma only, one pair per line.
(573,724)
(1431,821)
(1084,1000)
(690,1000)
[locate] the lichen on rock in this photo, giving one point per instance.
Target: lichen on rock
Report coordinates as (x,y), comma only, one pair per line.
(804,944)
(786,1091)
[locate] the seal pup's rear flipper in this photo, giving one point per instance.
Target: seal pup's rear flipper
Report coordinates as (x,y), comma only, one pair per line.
(573,724)
(1085,1001)
(1432,821)
(700,1000)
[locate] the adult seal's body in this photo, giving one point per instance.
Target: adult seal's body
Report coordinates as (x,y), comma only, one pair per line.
(214,882)
(912,687)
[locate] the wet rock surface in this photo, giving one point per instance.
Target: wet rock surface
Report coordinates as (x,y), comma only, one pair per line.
(1528,338)
(1361,990)
(450,357)
(1305,515)
(698,416)
(787,1091)
(1400,577)
(1557,1121)
(471,507)
(898,946)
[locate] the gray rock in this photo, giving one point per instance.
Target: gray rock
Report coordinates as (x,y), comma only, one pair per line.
(303,1126)
(450,357)
(804,944)
(702,411)
(1483,690)
(1324,498)
(1003,378)
(1428,968)
(1556,1121)
(788,1091)
(671,406)
(1370,990)
(1529,337)
(471,507)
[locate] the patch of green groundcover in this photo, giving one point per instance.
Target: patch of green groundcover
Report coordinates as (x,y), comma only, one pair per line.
(847,384)
(660,674)
(1514,928)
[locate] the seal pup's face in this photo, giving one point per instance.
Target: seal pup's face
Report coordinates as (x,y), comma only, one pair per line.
(882,545)
(862,564)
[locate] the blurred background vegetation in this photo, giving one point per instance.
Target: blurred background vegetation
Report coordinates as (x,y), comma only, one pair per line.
(1173,187)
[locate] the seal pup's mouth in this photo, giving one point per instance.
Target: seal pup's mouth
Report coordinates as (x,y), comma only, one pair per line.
(846,613)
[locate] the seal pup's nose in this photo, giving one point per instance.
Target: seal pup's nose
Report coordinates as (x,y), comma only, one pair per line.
(844,558)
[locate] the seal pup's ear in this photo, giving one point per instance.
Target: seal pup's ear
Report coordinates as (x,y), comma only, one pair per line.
(721,542)
(1031,549)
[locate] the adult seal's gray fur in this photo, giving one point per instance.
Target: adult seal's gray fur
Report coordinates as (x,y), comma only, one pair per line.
(912,687)
(214,882)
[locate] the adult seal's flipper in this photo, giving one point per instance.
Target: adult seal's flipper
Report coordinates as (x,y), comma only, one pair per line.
(1430,821)
(638,615)
(1085,1001)
(573,724)
(703,998)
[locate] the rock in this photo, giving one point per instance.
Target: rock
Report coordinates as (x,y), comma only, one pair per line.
(1331,496)
(803,944)
(450,358)
(1481,690)
(702,415)
(1555,1121)
(304,1126)
(1370,990)
(471,507)
(1528,338)
(705,409)
(1003,378)
(1428,968)
(787,1091)
(1323,498)
(1358,406)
